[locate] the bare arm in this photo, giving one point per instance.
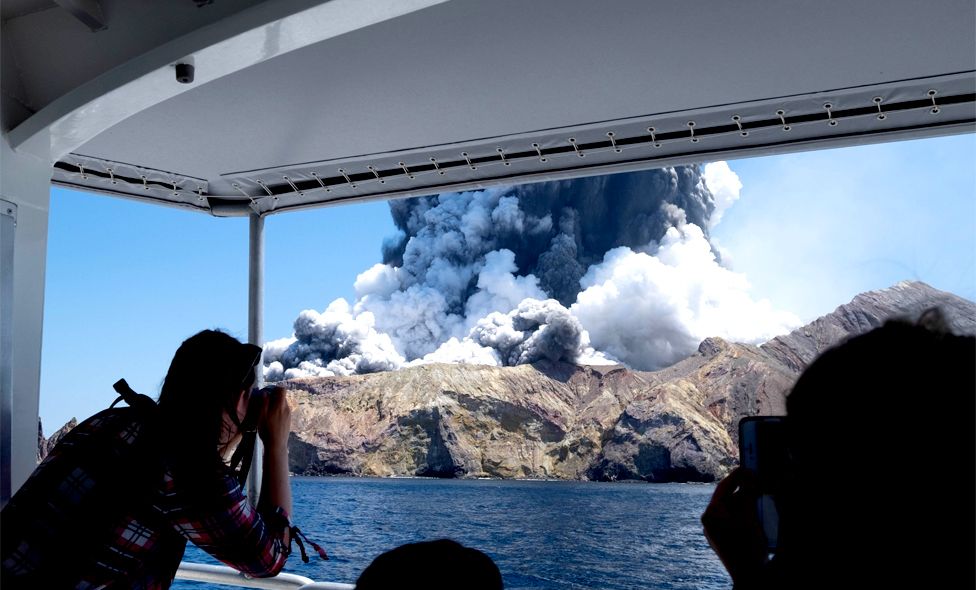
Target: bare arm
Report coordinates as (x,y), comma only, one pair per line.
(274,429)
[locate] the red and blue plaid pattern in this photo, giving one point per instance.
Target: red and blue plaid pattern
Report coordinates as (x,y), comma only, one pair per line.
(75,525)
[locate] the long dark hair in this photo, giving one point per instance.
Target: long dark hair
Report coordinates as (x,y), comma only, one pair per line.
(208,372)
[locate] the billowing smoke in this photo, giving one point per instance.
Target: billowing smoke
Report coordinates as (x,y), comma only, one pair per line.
(555,229)
(331,343)
(596,270)
(533,331)
(652,308)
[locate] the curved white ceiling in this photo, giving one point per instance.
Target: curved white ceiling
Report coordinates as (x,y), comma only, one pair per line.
(360,115)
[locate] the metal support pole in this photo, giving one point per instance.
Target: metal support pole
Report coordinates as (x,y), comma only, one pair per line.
(255,332)
(25,185)
(8,222)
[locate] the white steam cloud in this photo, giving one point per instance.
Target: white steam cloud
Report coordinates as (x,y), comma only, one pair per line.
(724,185)
(652,309)
(593,271)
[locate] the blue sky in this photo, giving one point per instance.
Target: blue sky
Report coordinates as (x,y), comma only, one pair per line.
(812,230)
(127,282)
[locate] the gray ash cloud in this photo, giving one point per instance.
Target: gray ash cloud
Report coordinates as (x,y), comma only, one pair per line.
(557,230)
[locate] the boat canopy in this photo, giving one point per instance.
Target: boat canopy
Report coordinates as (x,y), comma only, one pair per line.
(302,103)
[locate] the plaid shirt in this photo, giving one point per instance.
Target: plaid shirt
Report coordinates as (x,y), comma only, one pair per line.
(80,522)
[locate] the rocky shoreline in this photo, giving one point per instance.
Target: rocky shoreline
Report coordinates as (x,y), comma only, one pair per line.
(565,422)
(542,421)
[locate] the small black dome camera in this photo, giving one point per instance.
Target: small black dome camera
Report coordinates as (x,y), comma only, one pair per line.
(184,73)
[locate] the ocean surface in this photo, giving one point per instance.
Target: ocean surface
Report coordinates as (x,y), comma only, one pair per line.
(542,534)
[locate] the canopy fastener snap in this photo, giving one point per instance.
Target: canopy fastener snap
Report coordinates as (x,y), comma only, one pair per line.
(265,187)
(293,187)
(572,140)
(830,116)
(322,184)
(376,174)
(348,180)
(782,119)
(881,115)
(652,131)
(538,150)
(738,123)
(935,107)
(406,170)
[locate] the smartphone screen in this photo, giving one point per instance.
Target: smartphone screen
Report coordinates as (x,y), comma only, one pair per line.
(763,451)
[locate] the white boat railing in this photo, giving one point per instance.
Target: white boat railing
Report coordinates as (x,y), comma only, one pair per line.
(219,574)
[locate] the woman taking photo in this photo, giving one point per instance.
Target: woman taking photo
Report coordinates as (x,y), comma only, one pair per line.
(114,503)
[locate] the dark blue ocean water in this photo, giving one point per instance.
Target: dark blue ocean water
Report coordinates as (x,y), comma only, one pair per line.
(542,534)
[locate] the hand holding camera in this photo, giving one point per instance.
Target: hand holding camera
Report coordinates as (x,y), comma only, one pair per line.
(269,413)
(742,521)
(732,526)
(276,420)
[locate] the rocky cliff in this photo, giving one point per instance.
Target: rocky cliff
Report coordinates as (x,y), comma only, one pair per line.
(551,420)
(547,420)
(44,445)
(440,420)
(907,300)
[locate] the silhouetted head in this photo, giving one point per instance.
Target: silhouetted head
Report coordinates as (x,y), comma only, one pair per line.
(881,436)
(432,565)
(206,378)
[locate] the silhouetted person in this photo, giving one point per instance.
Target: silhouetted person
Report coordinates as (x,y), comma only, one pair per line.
(114,503)
(881,490)
(431,565)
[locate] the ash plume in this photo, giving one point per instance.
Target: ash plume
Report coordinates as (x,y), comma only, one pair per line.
(596,270)
(555,229)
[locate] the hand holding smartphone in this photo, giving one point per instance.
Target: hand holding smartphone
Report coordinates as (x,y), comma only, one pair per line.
(763,452)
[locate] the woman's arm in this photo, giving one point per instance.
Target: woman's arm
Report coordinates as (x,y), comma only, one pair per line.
(223,523)
(218,518)
(274,429)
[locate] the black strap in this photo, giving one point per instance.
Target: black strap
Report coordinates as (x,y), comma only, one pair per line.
(134,400)
(297,535)
(240,461)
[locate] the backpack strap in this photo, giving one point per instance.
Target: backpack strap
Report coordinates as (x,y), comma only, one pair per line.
(240,461)
(138,401)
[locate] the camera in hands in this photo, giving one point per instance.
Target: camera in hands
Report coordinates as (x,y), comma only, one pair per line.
(764,453)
